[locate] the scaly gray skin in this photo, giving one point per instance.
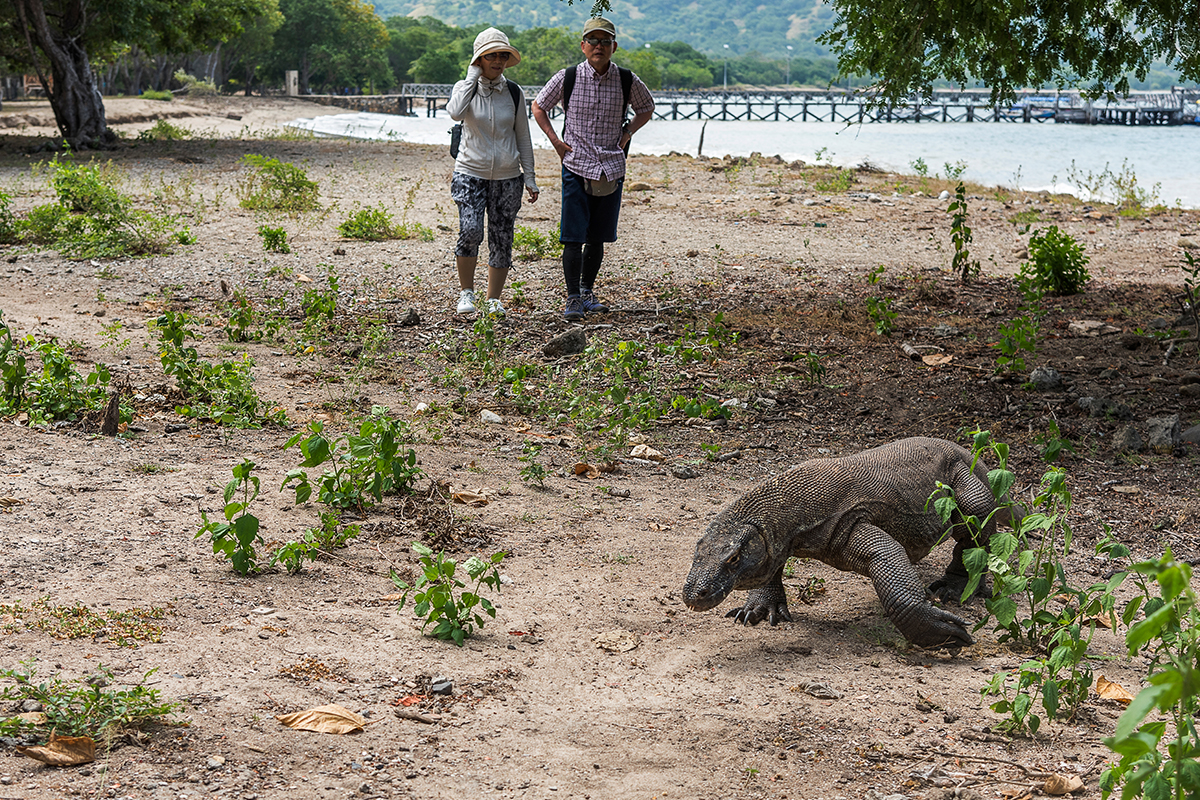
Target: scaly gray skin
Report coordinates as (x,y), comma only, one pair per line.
(865,513)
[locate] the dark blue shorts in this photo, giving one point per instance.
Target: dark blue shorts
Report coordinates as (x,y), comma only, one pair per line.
(586,218)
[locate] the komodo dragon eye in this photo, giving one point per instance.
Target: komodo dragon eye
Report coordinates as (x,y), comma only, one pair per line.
(733,559)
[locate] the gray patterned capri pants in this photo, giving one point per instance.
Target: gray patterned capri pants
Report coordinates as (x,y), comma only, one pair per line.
(500,200)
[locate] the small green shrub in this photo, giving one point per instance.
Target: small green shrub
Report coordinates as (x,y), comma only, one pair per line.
(83,707)
(1056,265)
(274,240)
(362,468)
(329,536)
(1169,634)
(1018,338)
(438,596)
(236,537)
(370,224)
(198,87)
(156,94)
(960,235)
(414,230)
(531,470)
(530,244)
(10,230)
(163,131)
(274,185)
(223,391)
(56,391)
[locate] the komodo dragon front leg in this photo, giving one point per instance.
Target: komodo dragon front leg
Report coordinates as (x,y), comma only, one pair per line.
(767,602)
(872,552)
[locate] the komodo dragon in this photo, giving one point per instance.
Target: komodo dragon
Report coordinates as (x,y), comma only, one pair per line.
(865,513)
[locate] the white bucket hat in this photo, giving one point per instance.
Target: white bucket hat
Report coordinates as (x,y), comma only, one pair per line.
(492,40)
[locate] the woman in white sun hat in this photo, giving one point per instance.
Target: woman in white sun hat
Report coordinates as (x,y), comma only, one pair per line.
(495,161)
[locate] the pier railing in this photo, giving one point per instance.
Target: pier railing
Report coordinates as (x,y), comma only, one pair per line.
(1175,107)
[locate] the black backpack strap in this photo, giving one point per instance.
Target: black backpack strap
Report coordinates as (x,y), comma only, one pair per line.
(626,88)
(515,91)
(568,87)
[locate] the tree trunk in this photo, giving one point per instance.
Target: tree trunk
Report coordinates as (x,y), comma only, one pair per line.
(74,96)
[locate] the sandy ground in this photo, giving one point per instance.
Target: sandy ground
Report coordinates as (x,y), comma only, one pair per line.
(594,681)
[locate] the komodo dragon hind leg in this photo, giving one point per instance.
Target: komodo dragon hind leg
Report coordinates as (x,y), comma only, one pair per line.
(872,552)
(767,602)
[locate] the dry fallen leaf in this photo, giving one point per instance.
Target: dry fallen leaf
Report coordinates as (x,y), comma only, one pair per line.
(473,497)
(1062,784)
(646,452)
(936,360)
(324,719)
(391,598)
(33,717)
(1112,691)
(62,751)
(302,278)
(617,641)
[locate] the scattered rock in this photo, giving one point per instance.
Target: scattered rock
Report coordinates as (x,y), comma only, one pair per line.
(1191,435)
(1190,390)
(1045,379)
(409,318)
(1104,407)
(944,195)
(1162,433)
(215,762)
(489,416)
(566,344)
(441,686)
(639,186)
(684,471)
(1128,440)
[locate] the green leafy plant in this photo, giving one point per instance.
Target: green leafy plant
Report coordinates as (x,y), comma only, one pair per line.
(329,535)
(1169,632)
(157,94)
(195,86)
(223,391)
(531,470)
(816,369)
(164,131)
(1056,265)
(961,263)
(86,706)
(274,185)
(1054,443)
(241,318)
(1018,338)
(530,244)
(362,467)
(439,597)
(10,228)
(92,218)
(274,240)
(371,224)
(919,167)
(883,317)
(954,171)
(1191,288)
(236,537)
(1026,569)
(13,371)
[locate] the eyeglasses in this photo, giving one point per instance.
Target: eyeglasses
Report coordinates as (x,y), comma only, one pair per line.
(599,42)
(501,56)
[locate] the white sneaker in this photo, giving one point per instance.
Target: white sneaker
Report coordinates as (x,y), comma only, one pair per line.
(495,308)
(466,301)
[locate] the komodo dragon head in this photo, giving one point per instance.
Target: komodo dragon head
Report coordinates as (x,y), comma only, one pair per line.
(733,554)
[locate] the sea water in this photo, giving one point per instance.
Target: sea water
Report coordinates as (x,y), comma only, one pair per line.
(1030,156)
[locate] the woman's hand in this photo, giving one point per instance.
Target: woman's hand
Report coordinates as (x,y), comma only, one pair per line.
(533,194)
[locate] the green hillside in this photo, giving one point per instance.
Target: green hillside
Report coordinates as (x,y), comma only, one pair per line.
(746,26)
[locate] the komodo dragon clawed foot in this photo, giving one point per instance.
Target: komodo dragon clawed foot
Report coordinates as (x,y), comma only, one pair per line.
(768,603)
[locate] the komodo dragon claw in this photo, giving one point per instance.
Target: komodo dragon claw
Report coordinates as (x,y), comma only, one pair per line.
(768,603)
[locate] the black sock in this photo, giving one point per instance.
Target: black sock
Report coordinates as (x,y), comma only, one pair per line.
(593,254)
(572,266)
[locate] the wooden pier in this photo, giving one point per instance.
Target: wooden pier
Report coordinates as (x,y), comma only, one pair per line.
(1176,107)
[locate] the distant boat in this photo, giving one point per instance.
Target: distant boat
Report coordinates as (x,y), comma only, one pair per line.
(1035,109)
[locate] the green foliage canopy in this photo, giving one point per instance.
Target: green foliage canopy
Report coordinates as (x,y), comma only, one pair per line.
(1092,44)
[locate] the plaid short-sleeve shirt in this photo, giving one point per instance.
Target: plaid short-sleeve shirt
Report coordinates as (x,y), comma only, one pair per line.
(594,118)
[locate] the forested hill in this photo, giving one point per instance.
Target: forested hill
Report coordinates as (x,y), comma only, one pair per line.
(762,26)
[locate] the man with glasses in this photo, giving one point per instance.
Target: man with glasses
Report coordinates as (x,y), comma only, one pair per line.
(596,97)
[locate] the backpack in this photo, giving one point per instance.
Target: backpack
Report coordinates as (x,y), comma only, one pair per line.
(569,87)
(457,131)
